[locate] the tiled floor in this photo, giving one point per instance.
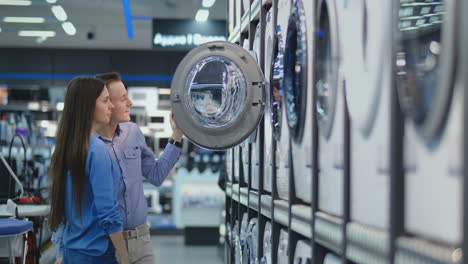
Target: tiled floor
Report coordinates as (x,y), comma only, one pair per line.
(171,249)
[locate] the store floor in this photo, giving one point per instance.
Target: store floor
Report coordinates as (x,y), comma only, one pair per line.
(171,249)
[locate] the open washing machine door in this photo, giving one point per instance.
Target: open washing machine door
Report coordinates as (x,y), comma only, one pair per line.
(303,253)
(270,52)
(425,62)
(267,245)
(217,95)
(363,62)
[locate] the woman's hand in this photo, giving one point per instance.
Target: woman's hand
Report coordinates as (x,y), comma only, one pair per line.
(122,256)
(59,260)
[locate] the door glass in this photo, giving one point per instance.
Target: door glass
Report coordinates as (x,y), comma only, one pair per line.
(418,58)
(217,92)
(325,70)
(295,71)
(276,93)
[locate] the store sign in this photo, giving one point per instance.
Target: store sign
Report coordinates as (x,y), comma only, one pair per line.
(186,34)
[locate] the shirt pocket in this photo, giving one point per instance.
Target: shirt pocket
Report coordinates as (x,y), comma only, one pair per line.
(132,153)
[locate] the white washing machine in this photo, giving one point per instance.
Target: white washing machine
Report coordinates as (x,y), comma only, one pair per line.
(245,6)
(267,244)
(298,93)
(244,147)
(229,164)
(328,85)
(270,53)
(331,258)
(302,253)
(283,252)
(431,93)
(281,130)
(368,67)
(266,2)
(243,236)
(254,138)
(250,254)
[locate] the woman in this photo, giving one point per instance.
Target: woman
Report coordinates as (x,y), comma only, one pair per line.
(84,179)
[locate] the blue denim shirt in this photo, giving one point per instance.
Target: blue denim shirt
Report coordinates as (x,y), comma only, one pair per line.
(136,160)
(100,215)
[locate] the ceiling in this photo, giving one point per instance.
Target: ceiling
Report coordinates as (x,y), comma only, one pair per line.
(104,19)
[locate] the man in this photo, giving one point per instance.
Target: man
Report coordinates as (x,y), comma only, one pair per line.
(126,145)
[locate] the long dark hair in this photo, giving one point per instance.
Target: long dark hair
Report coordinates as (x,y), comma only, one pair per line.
(71,148)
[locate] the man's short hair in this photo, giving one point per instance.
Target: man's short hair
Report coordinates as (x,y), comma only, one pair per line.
(109,77)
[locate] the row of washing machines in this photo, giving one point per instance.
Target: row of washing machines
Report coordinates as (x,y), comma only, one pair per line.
(377,85)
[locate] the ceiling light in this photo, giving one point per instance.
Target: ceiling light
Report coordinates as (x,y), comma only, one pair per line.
(51,1)
(23,19)
(16,2)
(202,15)
(59,13)
(208,3)
(36,33)
(69,28)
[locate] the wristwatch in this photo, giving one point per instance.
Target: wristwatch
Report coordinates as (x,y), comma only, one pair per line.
(175,143)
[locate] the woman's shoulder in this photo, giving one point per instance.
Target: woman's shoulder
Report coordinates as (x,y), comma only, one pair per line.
(95,143)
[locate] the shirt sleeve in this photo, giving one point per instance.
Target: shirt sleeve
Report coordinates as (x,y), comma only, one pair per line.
(157,170)
(102,185)
(57,240)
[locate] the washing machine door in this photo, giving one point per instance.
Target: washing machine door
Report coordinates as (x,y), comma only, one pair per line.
(425,62)
(217,95)
(302,253)
(295,71)
(367,50)
(326,68)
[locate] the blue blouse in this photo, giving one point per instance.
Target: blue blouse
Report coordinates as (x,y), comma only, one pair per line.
(100,215)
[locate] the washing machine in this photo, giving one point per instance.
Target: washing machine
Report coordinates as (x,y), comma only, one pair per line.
(244,148)
(267,244)
(281,130)
(368,67)
(254,138)
(235,244)
(331,258)
(298,94)
(245,6)
(270,53)
(303,253)
(328,85)
(243,237)
(283,251)
(250,253)
(431,92)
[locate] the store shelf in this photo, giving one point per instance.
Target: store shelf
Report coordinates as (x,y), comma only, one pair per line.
(419,251)
(255,10)
(253,200)
(33,107)
(367,244)
(328,231)
(229,189)
(235,192)
(235,35)
(281,214)
(301,220)
(244,196)
(266,201)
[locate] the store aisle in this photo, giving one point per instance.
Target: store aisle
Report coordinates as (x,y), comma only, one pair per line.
(171,249)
